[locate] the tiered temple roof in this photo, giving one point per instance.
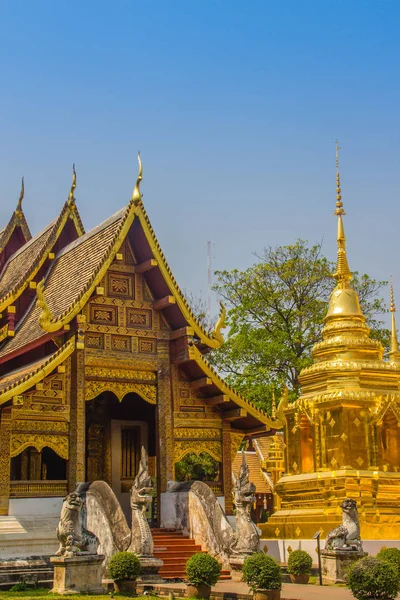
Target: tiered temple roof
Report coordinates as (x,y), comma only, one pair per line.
(46,282)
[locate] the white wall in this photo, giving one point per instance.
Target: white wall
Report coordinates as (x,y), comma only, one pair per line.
(48,507)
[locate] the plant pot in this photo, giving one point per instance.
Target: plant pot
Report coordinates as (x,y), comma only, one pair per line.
(267,595)
(302,578)
(198,591)
(125,586)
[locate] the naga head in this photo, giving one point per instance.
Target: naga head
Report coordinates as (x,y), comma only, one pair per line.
(349,506)
(244,488)
(74,501)
(142,488)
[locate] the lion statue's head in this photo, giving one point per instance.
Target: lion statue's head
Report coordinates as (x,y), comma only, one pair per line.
(74,501)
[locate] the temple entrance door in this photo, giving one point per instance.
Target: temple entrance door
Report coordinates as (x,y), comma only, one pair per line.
(116,430)
(127,439)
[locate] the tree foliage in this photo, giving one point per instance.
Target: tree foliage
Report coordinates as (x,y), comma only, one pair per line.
(197,467)
(276,312)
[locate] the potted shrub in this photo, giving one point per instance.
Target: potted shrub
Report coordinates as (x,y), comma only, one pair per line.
(203,571)
(124,569)
(299,566)
(392,555)
(263,575)
(371,578)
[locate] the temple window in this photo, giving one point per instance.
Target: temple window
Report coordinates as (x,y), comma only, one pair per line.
(34,465)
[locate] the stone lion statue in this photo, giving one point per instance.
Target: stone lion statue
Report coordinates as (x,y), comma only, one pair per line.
(347,535)
(73,537)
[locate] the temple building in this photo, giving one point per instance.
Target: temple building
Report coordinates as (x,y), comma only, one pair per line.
(100,354)
(343,433)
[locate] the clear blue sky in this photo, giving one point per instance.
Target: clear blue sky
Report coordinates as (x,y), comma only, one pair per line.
(235,107)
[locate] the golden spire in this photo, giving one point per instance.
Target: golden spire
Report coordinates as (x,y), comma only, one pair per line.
(18,210)
(394,345)
(71,197)
(137,196)
(343,273)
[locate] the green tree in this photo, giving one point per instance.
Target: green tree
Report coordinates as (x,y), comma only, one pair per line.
(197,467)
(276,312)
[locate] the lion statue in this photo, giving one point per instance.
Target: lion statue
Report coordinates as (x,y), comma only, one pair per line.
(73,537)
(347,535)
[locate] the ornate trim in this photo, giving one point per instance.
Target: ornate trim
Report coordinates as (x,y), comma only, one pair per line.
(181,448)
(20,441)
(236,440)
(44,369)
(146,391)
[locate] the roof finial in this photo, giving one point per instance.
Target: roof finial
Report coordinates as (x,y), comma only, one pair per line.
(273,410)
(71,197)
(394,345)
(21,197)
(343,273)
(137,196)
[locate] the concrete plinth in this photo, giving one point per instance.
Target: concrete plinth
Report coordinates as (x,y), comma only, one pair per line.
(149,568)
(335,564)
(236,566)
(77,574)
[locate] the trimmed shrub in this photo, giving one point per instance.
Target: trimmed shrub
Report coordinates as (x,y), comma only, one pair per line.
(203,568)
(261,572)
(373,578)
(124,565)
(299,562)
(392,555)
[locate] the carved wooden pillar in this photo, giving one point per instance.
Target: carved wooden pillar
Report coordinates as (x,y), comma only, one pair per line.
(35,465)
(76,463)
(165,415)
(227,467)
(5,439)
(24,465)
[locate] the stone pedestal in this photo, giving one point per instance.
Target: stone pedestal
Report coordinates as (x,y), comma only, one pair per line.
(149,567)
(335,564)
(236,565)
(78,574)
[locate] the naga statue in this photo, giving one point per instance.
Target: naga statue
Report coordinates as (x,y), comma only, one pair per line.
(141,495)
(72,535)
(347,535)
(246,540)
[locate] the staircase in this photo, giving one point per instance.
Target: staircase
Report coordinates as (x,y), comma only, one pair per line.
(174,549)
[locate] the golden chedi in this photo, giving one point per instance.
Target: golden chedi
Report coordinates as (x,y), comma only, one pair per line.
(343,433)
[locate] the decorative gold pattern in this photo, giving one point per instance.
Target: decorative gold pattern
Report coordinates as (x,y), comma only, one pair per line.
(5,440)
(94,388)
(103,314)
(183,447)
(121,285)
(20,441)
(195,433)
(140,318)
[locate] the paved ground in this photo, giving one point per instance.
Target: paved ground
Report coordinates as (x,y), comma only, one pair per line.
(293,591)
(290,591)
